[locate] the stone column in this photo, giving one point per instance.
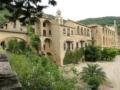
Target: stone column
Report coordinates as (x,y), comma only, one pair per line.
(42,44)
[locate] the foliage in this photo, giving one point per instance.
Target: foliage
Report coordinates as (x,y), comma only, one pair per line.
(15,46)
(92,53)
(93,75)
(34,39)
(3,13)
(73,56)
(38,73)
(12,45)
(24,10)
(2,51)
(108,54)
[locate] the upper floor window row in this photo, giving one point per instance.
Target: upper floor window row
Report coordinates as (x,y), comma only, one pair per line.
(68,31)
(82,31)
(108,32)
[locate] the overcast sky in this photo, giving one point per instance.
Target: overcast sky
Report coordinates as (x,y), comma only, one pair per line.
(81,9)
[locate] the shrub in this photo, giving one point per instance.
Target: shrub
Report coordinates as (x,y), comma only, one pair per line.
(38,73)
(2,51)
(15,46)
(92,53)
(108,54)
(12,45)
(73,56)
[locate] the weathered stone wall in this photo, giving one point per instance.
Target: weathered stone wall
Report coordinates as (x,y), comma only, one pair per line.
(8,78)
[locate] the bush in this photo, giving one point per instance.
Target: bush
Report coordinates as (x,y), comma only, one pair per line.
(73,56)
(92,53)
(12,45)
(15,46)
(2,51)
(108,54)
(38,73)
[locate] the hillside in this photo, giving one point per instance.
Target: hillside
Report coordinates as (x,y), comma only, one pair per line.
(102,21)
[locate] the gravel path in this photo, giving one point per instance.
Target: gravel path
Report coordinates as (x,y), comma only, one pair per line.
(112,70)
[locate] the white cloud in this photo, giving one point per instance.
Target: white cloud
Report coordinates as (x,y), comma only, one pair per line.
(80,9)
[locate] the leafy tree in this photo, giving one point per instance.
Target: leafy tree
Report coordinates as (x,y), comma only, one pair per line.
(3,13)
(24,10)
(93,75)
(27,12)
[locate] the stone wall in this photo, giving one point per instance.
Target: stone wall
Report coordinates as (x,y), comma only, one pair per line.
(8,78)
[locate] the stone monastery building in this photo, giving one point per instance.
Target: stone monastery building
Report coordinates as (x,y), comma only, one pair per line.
(58,35)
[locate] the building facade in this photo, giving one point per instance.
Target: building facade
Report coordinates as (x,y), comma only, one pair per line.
(105,36)
(58,35)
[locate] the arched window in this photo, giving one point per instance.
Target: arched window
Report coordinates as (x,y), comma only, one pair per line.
(44,24)
(44,32)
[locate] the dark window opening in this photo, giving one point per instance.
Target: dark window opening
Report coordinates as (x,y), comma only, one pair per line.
(44,24)
(68,32)
(77,46)
(50,33)
(64,31)
(44,32)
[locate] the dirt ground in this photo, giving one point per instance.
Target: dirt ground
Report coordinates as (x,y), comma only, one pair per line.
(112,70)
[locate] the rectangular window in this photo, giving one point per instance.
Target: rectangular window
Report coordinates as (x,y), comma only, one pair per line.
(77,45)
(64,31)
(68,32)
(50,32)
(72,32)
(81,30)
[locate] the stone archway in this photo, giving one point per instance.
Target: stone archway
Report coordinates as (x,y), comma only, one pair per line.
(9,34)
(47,44)
(47,28)
(4,42)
